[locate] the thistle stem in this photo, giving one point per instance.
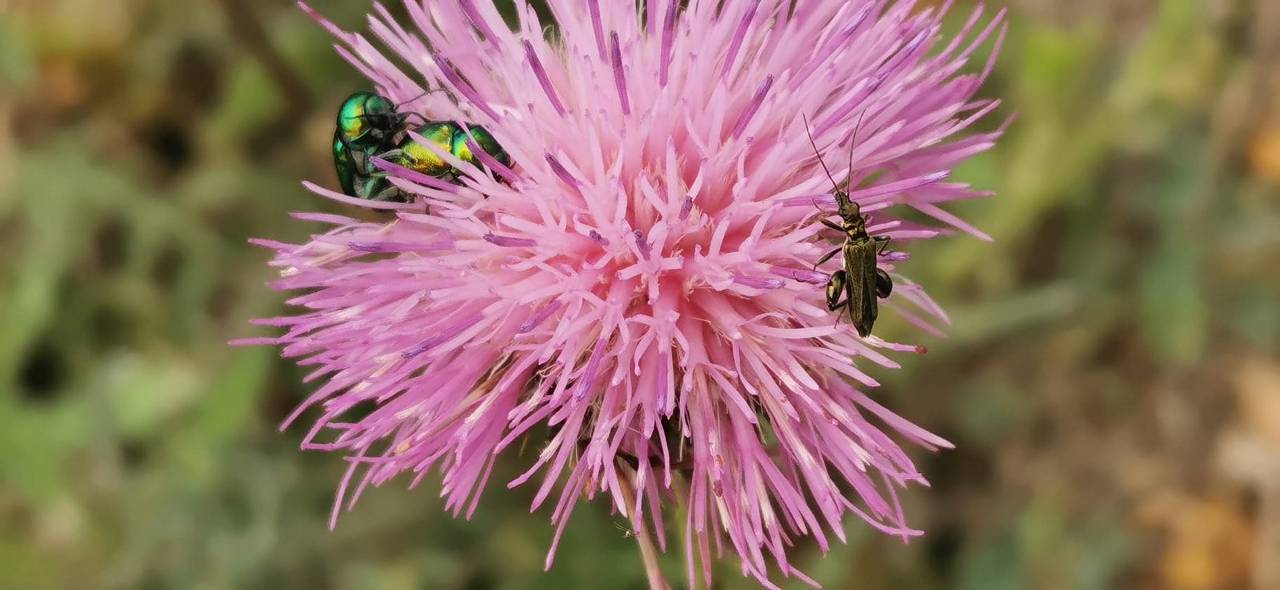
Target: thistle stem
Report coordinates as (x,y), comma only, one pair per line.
(681,488)
(648,552)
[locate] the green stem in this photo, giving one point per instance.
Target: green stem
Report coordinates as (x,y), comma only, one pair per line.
(648,552)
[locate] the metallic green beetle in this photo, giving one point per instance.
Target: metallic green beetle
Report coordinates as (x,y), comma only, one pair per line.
(369,126)
(449,137)
(369,123)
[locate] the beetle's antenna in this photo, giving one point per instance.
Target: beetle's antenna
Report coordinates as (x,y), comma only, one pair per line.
(848,180)
(813,143)
(424,93)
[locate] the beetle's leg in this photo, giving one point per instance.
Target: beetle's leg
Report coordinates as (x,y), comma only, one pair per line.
(835,288)
(884,284)
(392,193)
(363,163)
(365,188)
(388,156)
(884,244)
(832,225)
(827,257)
(368,187)
(824,212)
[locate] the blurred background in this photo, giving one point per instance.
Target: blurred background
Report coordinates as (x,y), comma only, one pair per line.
(1111,379)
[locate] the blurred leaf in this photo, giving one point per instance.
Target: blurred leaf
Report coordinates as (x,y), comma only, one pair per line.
(17,64)
(1107,552)
(145,395)
(1052,61)
(249,103)
(1174,311)
(998,318)
(991,408)
(38,446)
(995,566)
(1257,317)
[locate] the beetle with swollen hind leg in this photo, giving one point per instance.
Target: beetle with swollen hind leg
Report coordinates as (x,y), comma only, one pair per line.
(860,281)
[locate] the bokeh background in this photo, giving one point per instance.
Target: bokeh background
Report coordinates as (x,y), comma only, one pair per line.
(1111,379)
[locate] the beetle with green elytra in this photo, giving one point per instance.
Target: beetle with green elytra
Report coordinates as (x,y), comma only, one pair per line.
(370,125)
(447,137)
(860,282)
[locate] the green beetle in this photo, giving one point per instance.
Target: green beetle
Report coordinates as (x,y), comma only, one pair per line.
(449,137)
(358,177)
(370,125)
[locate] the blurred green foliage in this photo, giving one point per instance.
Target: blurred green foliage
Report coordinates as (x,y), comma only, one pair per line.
(1103,353)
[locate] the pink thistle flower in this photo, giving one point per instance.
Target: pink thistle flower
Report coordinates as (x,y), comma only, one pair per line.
(641,281)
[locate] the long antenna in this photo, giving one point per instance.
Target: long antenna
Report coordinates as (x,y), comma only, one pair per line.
(424,93)
(848,180)
(405,102)
(406,116)
(813,143)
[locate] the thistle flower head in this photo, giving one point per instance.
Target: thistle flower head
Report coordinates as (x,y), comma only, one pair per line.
(641,280)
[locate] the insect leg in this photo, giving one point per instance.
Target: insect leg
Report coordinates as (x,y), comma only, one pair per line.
(368,188)
(820,209)
(369,168)
(835,288)
(389,154)
(884,244)
(827,257)
(884,284)
(391,193)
